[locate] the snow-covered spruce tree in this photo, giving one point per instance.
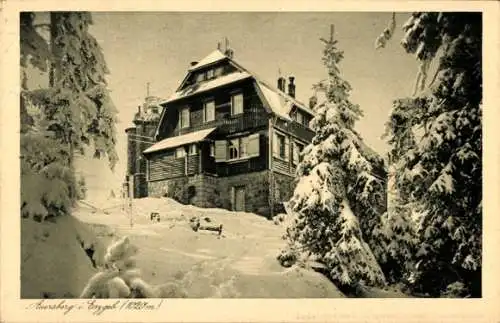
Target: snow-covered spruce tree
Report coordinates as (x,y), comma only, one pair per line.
(440,173)
(74,111)
(398,228)
(339,195)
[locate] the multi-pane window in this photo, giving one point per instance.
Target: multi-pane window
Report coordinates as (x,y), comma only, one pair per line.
(237,148)
(305,121)
(184,117)
(281,146)
(210,74)
(234,148)
(237,104)
(200,77)
(219,71)
(209,111)
(299,117)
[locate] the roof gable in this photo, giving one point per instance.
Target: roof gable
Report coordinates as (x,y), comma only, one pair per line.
(211,58)
(207,85)
(280,103)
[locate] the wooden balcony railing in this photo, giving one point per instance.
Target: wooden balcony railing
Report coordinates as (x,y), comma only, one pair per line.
(296,128)
(231,123)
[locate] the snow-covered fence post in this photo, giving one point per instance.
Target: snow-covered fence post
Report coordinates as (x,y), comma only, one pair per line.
(130,197)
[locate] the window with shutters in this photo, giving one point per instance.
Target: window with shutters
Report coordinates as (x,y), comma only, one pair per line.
(184,117)
(237,148)
(237,104)
(209,111)
(280,146)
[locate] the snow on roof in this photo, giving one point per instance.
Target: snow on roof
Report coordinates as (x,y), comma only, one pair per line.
(213,57)
(277,103)
(179,140)
(208,85)
(280,103)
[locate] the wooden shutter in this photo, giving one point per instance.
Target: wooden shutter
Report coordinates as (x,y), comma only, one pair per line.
(253,148)
(220,150)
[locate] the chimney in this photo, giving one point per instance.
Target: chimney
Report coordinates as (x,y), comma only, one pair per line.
(313,100)
(139,109)
(193,63)
(227,50)
(291,87)
(281,84)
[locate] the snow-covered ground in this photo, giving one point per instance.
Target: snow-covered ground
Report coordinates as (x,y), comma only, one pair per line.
(239,263)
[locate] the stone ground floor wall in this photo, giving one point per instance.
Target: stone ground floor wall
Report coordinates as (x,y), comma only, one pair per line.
(284,187)
(256,191)
(198,190)
(209,191)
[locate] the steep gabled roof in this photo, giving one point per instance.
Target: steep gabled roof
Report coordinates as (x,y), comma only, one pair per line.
(207,85)
(280,103)
(211,58)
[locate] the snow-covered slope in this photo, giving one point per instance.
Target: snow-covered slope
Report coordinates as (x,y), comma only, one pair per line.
(239,263)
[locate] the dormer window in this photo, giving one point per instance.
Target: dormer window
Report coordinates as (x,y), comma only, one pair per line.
(219,71)
(301,118)
(210,74)
(200,77)
(237,104)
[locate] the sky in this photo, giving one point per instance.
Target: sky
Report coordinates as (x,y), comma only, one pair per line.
(157,48)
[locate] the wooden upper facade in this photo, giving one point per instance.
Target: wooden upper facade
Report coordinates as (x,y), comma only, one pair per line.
(223,120)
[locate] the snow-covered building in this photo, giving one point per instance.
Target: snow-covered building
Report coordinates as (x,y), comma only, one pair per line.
(228,139)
